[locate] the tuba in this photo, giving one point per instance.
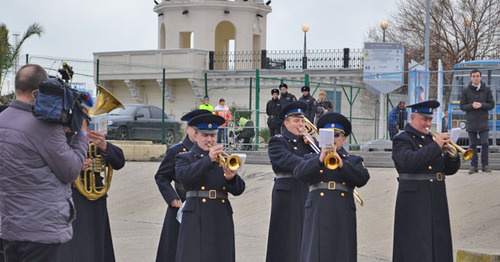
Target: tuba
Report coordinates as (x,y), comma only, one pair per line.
(85,183)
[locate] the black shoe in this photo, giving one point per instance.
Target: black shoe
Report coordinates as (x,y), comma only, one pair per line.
(472,170)
(486,169)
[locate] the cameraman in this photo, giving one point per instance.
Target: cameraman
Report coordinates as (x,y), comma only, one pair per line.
(37,167)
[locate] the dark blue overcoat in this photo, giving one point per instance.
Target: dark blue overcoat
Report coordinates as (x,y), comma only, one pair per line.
(422,222)
(164,177)
(289,195)
(207,229)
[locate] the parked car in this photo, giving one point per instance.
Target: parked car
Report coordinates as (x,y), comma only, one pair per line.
(142,122)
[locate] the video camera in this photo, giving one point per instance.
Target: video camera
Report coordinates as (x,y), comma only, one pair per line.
(57,102)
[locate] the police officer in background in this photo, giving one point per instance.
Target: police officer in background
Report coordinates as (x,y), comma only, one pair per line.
(289,195)
(422,223)
(286,97)
(273,109)
(207,228)
(310,102)
(173,197)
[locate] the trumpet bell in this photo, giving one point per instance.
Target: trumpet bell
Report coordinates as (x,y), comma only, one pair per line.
(467,154)
(331,161)
(233,162)
(105,102)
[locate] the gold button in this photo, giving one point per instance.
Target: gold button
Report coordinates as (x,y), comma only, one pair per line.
(224,174)
(430,167)
(223,201)
(321,171)
(295,140)
(322,182)
(422,137)
(203,200)
(343,183)
(201,155)
(414,137)
(432,180)
(342,194)
(295,147)
(202,188)
(420,145)
(343,155)
(223,188)
(321,194)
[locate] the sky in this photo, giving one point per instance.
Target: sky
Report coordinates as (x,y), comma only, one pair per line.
(77,28)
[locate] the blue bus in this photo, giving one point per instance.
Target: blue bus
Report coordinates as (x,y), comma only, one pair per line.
(490,71)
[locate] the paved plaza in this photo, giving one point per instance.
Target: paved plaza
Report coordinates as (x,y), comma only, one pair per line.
(137,210)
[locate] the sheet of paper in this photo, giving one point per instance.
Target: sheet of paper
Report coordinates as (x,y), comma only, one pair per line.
(454,134)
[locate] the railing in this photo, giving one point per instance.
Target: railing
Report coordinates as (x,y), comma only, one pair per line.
(286,59)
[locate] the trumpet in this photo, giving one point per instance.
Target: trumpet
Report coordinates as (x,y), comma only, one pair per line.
(233,162)
(331,160)
(453,151)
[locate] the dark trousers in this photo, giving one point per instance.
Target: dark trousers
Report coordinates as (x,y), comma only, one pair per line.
(25,251)
(473,142)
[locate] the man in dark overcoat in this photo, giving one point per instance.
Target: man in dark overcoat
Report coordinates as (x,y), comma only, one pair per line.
(476,101)
(273,109)
(289,194)
(422,223)
(330,213)
(311,103)
(92,239)
(207,229)
(173,197)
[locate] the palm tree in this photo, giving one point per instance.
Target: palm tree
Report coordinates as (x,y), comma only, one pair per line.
(9,53)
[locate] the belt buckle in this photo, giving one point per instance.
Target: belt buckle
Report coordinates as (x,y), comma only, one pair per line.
(212,194)
(439,176)
(331,185)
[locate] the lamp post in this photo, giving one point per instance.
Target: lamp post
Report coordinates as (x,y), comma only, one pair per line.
(305,28)
(384,26)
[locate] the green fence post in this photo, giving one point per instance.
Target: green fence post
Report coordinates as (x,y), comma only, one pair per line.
(163,109)
(257,106)
(250,97)
(306,80)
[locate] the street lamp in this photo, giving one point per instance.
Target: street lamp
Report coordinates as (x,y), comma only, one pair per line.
(305,28)
(384,26)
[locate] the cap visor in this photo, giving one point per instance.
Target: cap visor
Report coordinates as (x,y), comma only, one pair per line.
(426,114)
(208,131)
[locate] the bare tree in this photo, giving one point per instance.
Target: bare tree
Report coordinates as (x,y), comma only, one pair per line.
(460,30)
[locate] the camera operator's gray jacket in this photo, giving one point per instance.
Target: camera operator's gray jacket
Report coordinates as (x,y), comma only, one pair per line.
(477,119)
(37,167)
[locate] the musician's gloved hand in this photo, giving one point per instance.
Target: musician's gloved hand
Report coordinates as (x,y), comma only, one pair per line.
(98,139)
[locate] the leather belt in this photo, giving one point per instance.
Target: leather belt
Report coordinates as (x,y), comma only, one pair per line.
(211,194)
(437,176)
(284,175)
(330,185)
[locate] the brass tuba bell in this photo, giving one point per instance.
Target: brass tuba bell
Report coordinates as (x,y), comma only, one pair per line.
(85,183)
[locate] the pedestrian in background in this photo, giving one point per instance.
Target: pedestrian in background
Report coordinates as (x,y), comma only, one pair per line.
(444,122)
(222,110)
(206,104)
(273,108)
(324,105)
(476,100)
(397,119)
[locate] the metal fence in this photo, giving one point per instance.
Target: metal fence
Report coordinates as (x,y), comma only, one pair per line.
(286,59)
